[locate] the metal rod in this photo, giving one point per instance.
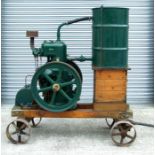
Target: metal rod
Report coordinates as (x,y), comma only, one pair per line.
(142,124)
(80,58)
(31,42)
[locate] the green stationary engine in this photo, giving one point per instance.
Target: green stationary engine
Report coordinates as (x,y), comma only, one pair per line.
(56,85)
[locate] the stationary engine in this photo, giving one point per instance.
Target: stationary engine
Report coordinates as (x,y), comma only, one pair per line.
(56,85)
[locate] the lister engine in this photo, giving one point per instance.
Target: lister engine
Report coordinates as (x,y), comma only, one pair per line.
(56,85)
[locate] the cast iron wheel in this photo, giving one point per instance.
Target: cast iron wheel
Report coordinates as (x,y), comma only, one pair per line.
(123,133)
(18,131)
(55,76)
(110,122)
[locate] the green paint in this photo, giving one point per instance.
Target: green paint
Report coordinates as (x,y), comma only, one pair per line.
(55,50)
(24,97)
(56,86)
(110,37)
(50,76)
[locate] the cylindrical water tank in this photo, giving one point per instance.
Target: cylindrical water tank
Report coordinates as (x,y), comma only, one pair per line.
(110,38)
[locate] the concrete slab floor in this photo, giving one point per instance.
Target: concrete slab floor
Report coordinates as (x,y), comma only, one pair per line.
(79,136)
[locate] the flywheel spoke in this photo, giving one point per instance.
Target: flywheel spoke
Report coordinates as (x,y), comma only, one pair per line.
(67,83)
(45,89)
(48,78)
(65,95)
(53,98)
(59,75)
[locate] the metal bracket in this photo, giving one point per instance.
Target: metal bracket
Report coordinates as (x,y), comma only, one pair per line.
(125,115)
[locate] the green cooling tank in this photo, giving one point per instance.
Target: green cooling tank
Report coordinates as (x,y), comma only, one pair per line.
(110,38)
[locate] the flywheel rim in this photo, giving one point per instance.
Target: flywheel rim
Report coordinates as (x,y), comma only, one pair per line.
(61,66)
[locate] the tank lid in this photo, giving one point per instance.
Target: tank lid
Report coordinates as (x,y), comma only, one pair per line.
(108,7)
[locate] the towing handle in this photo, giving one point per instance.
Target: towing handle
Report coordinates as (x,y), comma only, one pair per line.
(142,124)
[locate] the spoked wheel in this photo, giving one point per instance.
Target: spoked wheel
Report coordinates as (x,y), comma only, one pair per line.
(56,87)
(123,133)
(110,122)
(18,131)
(35,122)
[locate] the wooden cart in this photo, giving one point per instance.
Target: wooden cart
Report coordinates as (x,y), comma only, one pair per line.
(106,105)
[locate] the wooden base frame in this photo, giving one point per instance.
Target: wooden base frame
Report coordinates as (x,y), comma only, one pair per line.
(82,111)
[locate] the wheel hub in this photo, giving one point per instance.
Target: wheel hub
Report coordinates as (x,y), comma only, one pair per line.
(123,133)
(56,87)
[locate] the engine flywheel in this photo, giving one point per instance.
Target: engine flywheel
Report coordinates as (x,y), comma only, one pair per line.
(56,86)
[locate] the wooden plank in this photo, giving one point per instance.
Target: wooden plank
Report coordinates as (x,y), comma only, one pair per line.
(78,113)
(79,106)
(110,85)
(85,106)
(110,74)
(110,96)
(114,106)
